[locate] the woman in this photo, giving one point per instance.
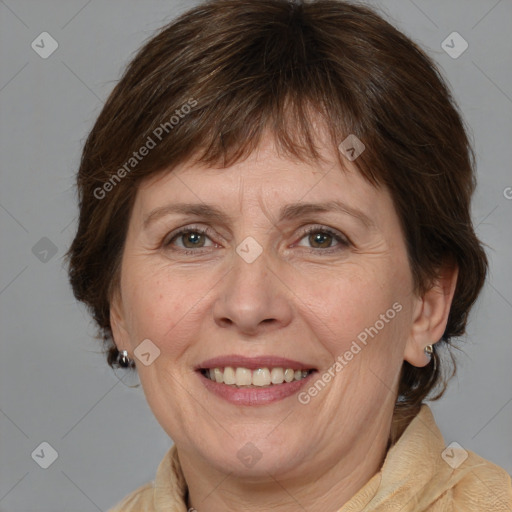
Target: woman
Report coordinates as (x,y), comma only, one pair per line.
(275,232)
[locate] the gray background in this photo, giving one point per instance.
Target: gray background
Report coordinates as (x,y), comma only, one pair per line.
(54,383)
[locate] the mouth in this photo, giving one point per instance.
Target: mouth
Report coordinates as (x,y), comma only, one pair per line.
(241,377)
(254,381)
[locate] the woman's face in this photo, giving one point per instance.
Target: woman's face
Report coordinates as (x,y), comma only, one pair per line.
(257,289)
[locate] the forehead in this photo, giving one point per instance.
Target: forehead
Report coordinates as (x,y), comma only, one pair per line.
(267,174)
(266,186)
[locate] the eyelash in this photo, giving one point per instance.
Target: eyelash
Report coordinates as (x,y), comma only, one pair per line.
(344,242)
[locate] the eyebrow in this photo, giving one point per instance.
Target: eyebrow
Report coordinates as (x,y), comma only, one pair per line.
(288,212)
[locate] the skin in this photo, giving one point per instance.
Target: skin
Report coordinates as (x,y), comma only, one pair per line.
(296,300)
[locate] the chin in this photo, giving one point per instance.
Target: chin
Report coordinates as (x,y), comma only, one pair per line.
(255,458)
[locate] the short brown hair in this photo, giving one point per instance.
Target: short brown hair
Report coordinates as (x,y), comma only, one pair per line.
(244,67)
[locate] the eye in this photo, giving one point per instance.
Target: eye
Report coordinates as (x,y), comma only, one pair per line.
(323,238)
(192,238)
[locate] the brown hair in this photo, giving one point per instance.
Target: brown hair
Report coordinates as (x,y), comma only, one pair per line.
(208,85)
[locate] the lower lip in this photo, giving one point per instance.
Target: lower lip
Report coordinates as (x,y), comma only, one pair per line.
(255,395)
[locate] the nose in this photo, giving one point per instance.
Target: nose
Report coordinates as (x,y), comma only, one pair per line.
(253,298)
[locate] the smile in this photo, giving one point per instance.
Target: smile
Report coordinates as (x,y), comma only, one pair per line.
(260,393)
(241,377)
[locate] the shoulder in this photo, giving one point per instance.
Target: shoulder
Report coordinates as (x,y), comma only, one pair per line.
(166,492)
(421,473)
(482,482)
(140,500)
(463,479)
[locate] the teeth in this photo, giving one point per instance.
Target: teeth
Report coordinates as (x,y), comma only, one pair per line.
(243,377)
(277,376)
(260,377)
(289,375)
(229,375)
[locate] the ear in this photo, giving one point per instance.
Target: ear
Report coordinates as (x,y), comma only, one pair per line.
(431,316)
(118,323)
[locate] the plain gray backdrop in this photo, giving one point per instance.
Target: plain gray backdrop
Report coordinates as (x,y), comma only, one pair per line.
(55,386)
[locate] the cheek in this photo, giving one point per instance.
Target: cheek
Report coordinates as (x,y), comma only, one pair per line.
(162,305)
(346,299)
(362,305)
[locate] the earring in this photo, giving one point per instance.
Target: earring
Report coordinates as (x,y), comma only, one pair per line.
(123,360)
(429,349)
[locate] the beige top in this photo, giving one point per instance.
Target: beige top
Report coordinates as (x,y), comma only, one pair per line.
(416,476)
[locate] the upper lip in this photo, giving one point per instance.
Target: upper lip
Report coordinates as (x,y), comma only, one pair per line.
(253,363)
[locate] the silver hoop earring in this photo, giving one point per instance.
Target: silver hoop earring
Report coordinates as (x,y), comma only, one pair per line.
(123,360)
